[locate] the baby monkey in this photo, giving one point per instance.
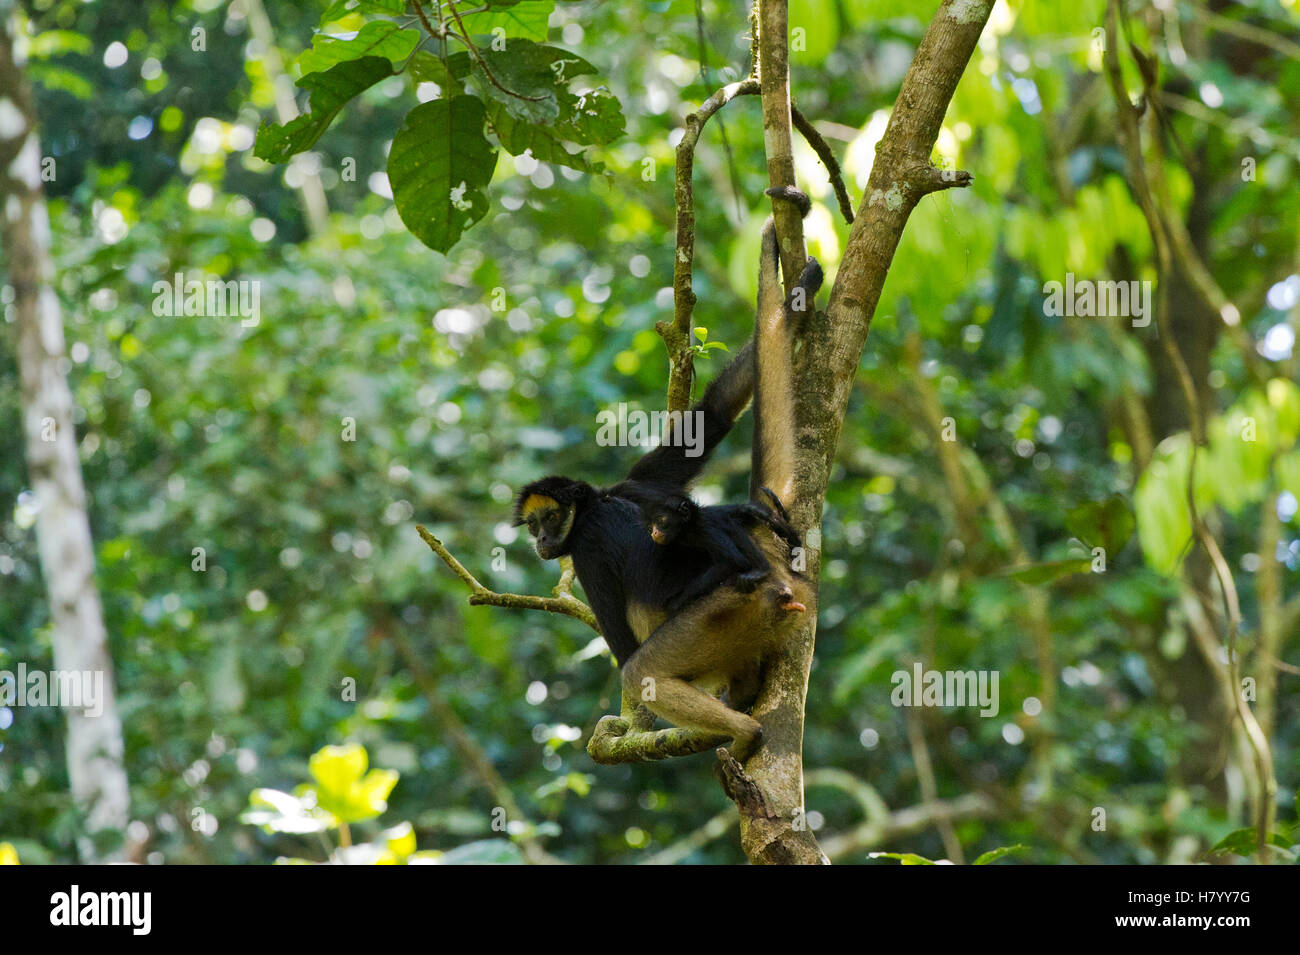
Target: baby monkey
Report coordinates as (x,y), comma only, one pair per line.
(723,532)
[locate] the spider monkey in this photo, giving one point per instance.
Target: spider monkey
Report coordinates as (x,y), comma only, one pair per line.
(721,531)
(631,581)
(726,637)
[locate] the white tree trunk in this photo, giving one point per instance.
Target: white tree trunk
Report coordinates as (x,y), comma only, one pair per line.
(94,743)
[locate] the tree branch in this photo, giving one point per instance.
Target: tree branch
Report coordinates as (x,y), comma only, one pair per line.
(563,602)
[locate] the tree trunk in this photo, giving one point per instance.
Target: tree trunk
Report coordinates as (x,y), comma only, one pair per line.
(900,177)
(94,743)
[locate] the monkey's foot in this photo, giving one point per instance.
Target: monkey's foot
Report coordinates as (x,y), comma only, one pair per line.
(611,726)
(740,787)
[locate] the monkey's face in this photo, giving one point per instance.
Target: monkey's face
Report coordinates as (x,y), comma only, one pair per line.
(665,523)
(549,522)
(662,527)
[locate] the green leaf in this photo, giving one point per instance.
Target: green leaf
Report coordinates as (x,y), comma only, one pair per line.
(529,79)
(591,118)
(993,855)
(527,19)
(814,30)
(343,790)
(424,67)
(380,38)
(906,858)
(483,852)
(1244,842)
(517,137)
(341,8)
(438,166)
(1107,523)
(337,768)
(330,92)
(1164,523)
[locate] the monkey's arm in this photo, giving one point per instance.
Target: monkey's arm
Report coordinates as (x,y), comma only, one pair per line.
(609,604)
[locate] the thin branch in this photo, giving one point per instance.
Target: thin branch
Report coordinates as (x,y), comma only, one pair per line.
(823,151)
(677,334)
(463,36)
(563,602)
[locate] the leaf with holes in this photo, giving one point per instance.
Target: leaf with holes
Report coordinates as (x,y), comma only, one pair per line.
(438,166)
(517,137)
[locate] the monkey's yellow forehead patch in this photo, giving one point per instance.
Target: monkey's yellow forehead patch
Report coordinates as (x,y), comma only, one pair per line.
(534,503)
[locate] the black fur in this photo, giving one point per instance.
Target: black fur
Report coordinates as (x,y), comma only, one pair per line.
(722,532)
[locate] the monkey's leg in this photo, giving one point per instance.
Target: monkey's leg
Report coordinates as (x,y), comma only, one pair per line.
(714,637)
(684,705)
(704,585)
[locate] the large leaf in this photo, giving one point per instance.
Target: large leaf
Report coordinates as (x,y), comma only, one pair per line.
(449,75)
(330,92)
(438,166)
(380,38)
(526,19)
(529,79)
